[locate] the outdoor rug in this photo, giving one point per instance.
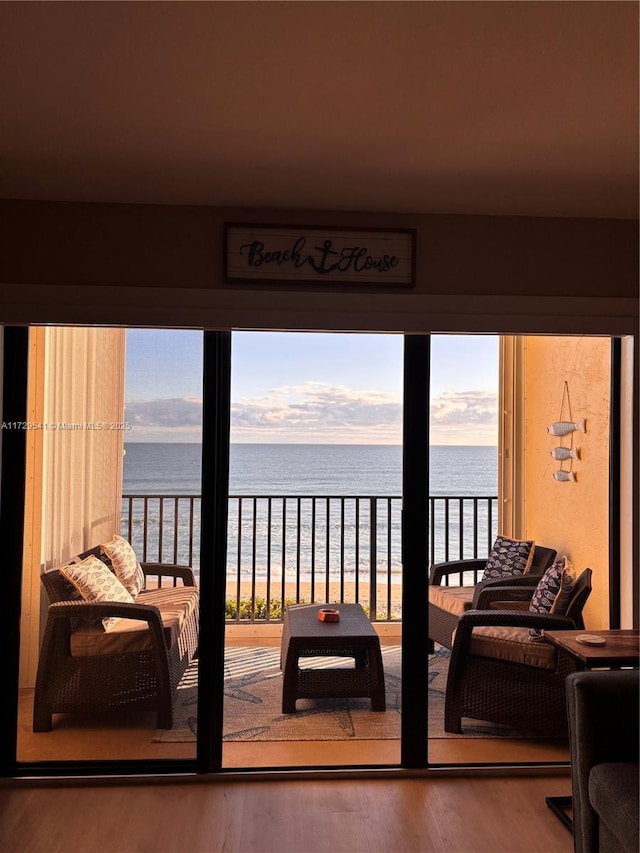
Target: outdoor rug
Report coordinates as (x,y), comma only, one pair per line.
(253,703)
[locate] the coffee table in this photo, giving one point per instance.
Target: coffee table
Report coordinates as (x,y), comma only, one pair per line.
(304,635)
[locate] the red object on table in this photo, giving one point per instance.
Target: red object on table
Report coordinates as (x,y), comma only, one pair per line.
(328,615)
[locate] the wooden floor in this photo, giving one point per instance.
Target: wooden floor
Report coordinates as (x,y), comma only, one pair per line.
(322,813)
(452,815)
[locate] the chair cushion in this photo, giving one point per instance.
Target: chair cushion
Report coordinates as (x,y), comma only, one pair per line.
(509,558)
(553,592)
(176,605)
(511,644)
(453,599)
(96,582)
(125,563)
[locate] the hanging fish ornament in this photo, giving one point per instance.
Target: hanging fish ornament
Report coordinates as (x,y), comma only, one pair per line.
(564,476)
(562,453)
(565,427)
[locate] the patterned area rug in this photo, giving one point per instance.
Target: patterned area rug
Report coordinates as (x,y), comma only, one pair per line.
(253,702)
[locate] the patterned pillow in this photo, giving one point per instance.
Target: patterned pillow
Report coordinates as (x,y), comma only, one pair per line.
(96,582)
(125,564)
(553,593)
(509,558)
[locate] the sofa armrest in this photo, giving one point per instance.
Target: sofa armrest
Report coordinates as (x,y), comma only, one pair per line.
(65,683)
(507,618)
(95,611)
(438,571)
(98,610)
(502,618)
(514,619)
(603,709)
(169,570)
(486,595)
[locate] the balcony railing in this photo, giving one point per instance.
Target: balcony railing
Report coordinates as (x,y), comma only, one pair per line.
(300,548)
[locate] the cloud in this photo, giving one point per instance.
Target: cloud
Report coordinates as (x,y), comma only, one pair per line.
(320,412)
(159,415)
(456,414)
(315,405)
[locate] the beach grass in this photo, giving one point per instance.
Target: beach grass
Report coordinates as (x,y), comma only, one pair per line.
(388,597)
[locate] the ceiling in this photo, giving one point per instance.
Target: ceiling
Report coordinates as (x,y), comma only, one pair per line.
(516,108)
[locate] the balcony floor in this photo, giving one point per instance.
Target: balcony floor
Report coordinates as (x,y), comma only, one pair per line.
(130,736)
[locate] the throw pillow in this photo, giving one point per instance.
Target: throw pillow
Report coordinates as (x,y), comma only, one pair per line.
(553,593)
(509,558)
(125,564)
(96,582)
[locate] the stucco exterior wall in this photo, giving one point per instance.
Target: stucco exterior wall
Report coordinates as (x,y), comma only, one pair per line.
(570,516)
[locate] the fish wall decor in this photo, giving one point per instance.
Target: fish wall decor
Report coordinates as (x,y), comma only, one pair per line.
(564,476)
(561,453)
(565,427)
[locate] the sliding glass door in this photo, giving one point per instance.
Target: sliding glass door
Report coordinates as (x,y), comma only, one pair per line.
(335,509)
(112,470)
(315,495)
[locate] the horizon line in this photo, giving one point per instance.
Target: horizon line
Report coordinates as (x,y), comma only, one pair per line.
(305,443)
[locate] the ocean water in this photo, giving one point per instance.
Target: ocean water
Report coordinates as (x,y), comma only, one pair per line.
(308,469)
(313,531)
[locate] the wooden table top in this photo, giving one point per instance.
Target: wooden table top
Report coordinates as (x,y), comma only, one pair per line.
(621,648)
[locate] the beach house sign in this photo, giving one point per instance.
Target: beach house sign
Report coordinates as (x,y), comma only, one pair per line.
(290,254)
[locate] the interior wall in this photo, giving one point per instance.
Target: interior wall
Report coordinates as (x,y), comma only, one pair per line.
(123,264)
(74,457)
(572,517)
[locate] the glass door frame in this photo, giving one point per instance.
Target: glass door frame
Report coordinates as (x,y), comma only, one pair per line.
(215,461)
(415,496)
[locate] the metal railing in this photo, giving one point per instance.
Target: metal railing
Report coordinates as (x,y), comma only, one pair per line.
(300,548)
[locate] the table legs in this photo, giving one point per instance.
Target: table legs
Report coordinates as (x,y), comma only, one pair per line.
(368,659)
(560,806)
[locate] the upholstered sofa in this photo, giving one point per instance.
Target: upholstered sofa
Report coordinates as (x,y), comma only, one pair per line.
(98,655)
(604,714)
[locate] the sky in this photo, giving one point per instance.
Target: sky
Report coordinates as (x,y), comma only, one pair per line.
(310,388)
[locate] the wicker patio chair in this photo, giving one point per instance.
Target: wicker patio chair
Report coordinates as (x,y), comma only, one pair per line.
(448,601)
(527,692)
(143,677)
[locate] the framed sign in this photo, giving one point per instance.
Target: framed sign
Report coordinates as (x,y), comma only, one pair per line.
(292,254)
